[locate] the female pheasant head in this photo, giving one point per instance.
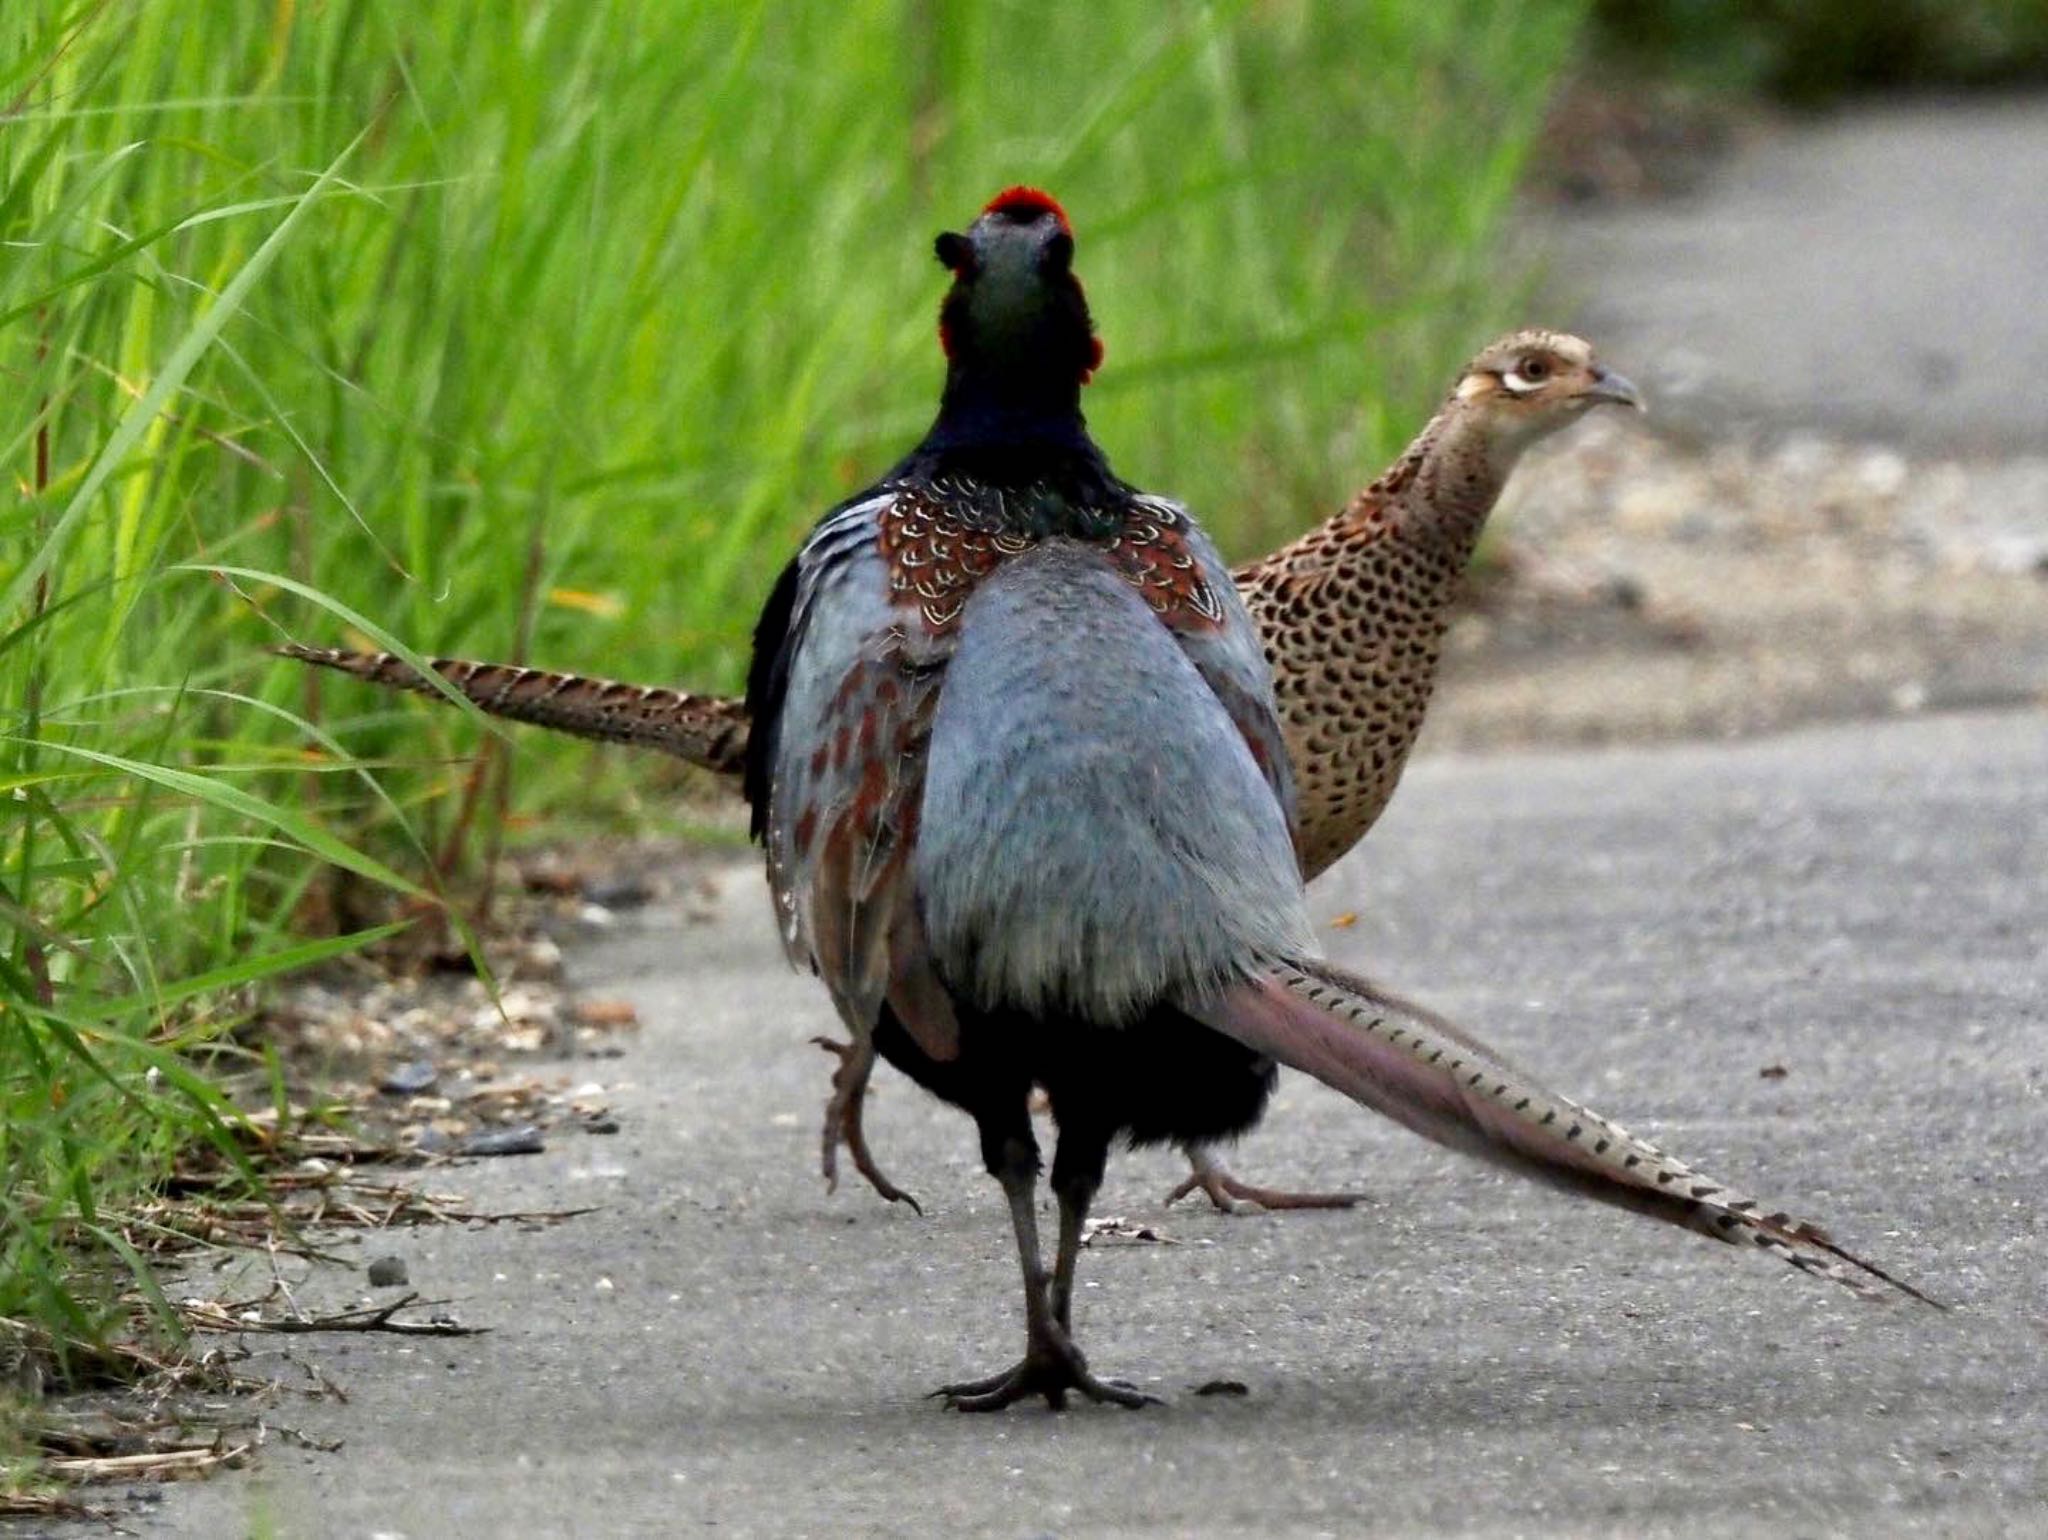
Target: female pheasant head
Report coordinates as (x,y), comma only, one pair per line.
(1521,388)
(1015,324)
(1529,384)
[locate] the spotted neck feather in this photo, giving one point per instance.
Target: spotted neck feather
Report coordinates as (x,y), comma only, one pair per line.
(1353,617)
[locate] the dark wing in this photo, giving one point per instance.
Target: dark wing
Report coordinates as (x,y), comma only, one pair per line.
(842,690)
(767,683)
(1174,565)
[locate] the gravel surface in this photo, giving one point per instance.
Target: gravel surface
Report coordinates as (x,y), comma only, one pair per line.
(1646,587)
(1813,962)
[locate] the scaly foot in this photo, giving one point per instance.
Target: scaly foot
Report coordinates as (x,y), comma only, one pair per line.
(1235,1197)
(843,1125)
(1050,1368)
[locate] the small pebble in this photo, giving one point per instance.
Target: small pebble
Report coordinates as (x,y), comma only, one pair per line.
(620,892)
(603,1123)
(604,1013)
(410,1079)
(539,958)
(522,1139)
(387,1273)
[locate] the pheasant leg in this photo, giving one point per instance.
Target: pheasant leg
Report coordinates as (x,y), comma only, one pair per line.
(1235,1197)
(843,1125)
(1061,1297)
(1052,1366)
(842,1119)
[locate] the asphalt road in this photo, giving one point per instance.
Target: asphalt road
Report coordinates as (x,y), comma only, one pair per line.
(1876,273)
(724,1348)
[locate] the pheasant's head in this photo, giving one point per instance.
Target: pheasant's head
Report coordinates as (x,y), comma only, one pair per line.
(1016,312)
(1531,383)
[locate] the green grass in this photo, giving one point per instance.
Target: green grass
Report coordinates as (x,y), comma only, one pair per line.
(542,329)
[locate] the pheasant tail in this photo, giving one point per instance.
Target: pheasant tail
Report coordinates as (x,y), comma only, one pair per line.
(1407,1062)
(702,729)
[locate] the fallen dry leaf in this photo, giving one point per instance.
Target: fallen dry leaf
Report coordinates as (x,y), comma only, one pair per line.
(604,1013)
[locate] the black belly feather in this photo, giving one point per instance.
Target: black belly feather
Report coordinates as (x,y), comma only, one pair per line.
(1163,1078)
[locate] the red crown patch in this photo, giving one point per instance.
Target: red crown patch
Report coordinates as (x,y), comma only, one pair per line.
(1029,203)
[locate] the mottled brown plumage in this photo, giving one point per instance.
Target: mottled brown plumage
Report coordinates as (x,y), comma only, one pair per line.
(1352,614)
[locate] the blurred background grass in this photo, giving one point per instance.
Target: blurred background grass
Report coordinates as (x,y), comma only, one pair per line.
(540,331)
(611,300)
(1812,52)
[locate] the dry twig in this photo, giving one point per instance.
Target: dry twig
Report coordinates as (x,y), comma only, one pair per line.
(212,1315)
(150,1465)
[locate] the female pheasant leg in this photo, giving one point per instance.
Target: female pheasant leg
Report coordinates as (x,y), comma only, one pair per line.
(842,1119)
(1235,1197)
(842,1125)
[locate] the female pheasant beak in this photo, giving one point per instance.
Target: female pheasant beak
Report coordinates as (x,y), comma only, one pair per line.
(1609,386)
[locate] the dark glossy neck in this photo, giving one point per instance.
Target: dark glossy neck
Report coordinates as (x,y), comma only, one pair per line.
(992,400)
(1009,429)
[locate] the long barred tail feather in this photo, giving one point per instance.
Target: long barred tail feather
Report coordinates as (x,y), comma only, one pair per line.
(1409,1063)
(702,729)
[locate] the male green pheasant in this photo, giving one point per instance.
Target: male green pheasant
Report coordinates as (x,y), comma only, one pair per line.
(1021,781)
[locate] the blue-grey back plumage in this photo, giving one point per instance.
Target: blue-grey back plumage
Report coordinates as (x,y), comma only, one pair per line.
(1096,835)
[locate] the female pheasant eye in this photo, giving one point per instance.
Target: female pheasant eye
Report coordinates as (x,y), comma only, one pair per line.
(1527,374)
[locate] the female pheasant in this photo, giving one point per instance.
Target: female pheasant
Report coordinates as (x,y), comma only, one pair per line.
(1351,616)
(1027,810)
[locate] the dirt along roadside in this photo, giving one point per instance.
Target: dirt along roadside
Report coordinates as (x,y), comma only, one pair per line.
(1840,505)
